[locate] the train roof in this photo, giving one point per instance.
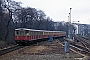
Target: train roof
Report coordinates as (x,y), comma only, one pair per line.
(36,30)
(28,29)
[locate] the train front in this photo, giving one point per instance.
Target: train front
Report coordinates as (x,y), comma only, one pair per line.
(21,35)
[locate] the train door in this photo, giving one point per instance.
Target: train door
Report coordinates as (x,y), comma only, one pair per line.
(17,33)
(27,35)
(21,35)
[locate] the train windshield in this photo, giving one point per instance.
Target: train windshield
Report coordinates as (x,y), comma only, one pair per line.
(17,32)
(26,32)
(21,32)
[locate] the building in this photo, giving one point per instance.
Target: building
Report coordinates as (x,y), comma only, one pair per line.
(82,29)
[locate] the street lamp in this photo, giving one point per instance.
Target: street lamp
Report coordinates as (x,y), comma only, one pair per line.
(70,15)
(70,24)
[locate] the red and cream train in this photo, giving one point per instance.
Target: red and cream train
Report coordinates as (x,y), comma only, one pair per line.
(25,35)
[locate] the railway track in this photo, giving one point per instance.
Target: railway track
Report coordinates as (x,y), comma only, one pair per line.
(85,42)
(79,48)
(7,50)
(16,47)
(86,39)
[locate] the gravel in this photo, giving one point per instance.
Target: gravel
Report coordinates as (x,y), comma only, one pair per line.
(43,51)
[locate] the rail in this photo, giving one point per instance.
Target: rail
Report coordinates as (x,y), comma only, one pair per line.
(7,50)
(82,49)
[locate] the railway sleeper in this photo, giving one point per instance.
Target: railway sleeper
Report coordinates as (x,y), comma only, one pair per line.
(79,49)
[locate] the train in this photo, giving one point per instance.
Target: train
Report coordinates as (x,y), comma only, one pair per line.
(25,35)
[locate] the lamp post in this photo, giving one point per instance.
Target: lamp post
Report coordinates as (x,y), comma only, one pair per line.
(68,28)
(70,21)
(70,15)
(70,24)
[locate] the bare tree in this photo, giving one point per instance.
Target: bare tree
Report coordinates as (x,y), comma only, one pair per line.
(10,7)
(1,17)
(33,19)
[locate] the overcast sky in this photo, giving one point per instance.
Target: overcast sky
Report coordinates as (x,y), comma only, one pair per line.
(59,10)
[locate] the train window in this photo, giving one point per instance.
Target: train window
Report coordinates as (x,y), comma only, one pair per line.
(40,33)
(31,33)
(21,32)
(17,32)
(36,33)
(45,33)
(27,32)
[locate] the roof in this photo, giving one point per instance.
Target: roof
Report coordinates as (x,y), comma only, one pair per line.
(36,30)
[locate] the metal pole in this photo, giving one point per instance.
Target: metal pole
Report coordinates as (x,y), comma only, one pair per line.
(70,15)
(69,26)
(70,22)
